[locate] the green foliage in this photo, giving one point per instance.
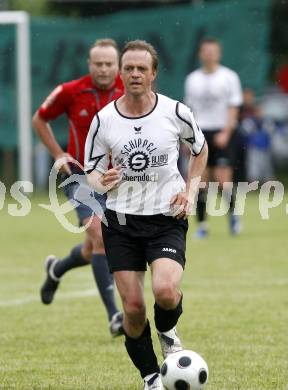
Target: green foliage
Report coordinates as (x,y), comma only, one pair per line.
(235,309)
(48,8)
(33,7)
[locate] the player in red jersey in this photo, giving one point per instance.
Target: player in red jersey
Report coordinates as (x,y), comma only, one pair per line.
(80,100)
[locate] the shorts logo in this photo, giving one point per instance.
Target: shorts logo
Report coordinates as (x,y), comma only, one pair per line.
(169,250)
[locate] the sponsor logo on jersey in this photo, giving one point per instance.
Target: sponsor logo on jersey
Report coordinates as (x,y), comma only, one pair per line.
(159,160)
(138,143)
(152,177)
(138,155)
(169,250)
(138,161)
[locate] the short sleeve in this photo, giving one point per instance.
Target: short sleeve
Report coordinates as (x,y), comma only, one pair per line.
(235,98)
(96,149)
(55,104)
(190,133)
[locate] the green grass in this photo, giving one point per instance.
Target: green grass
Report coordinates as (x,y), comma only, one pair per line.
(235,309)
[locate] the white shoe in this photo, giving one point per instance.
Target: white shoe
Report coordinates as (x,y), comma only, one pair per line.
(202,231)
(170,342)
(153,383)
(116,325)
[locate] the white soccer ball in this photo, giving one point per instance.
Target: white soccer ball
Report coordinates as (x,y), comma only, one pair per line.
(184,370)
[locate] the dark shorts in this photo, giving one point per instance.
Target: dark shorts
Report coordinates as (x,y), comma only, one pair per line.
(87,202)
(217,157)
(132,241)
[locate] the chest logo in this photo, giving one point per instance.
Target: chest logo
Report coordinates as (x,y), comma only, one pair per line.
(137,129)
(138,161)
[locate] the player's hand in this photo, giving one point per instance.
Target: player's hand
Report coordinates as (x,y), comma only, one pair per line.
(111,178)
(180,205)
(62,163)
(221,139)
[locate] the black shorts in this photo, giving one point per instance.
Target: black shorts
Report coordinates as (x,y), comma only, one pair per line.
(132,241)
(217,157)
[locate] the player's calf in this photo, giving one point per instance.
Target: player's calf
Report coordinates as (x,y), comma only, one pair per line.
(141,352)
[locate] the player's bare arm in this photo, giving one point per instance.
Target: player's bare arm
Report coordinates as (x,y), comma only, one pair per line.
(182,203)
(222,138)
(45,133)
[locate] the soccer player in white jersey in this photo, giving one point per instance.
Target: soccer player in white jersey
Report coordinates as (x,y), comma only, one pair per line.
(147,202)
(214,94)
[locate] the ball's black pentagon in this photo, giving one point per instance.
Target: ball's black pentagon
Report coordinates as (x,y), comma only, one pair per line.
(203,376)
(181,385)
(184,361)
(164,369)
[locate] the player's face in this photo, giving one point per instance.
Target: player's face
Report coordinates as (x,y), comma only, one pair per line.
(137,72)
(103,66)
(210,54)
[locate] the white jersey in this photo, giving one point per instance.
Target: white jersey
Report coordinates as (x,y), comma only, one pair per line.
(210,94)
(147,148)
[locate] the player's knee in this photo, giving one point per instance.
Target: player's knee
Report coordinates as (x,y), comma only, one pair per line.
(166,295)
(98,246)
(134,308)
(95,236)
(87,253)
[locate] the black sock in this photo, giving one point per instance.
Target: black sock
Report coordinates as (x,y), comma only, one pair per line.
(201,205)
(232,203)
(230,197)
(105,283)
(167,319)
(141,352)
(74,260)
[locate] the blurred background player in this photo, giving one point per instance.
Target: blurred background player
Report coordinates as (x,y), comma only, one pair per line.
(80,100)
(214,94)
(257,131)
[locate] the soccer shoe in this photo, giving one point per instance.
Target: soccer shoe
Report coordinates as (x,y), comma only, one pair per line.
(170,342)
(235,225)
(154,383)
(51,283)
(116,325)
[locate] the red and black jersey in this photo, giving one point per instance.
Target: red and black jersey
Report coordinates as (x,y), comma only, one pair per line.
(80,100)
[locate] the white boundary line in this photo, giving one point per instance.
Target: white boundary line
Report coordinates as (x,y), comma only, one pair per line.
(60,297)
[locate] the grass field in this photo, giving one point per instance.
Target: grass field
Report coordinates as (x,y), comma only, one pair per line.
(235,309)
